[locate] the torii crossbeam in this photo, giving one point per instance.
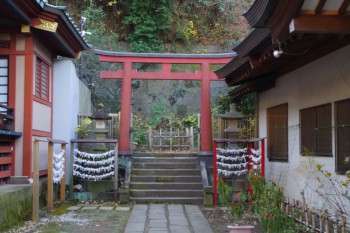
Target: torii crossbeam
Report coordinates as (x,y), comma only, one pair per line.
(205,75)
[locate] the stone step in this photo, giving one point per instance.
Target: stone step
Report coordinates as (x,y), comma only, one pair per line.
(166,165)
(166,185)
(165,172)
(172,200)
(165,160)
(163,179)
(165,193)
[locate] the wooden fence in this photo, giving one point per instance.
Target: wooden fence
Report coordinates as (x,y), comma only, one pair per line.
(172,139)
(312,220)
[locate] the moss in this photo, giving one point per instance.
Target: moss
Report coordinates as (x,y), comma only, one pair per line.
(17,214)
(164,179)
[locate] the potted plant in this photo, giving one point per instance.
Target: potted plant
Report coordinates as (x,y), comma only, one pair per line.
(235,207)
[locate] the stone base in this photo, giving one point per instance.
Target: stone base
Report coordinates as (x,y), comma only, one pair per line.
(124,195)
(18,180)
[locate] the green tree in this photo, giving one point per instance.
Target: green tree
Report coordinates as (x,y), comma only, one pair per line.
(148,20)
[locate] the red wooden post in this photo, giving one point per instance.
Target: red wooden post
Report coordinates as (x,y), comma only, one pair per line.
(205,109)
(263,158)
(250,165)
(215,172)
(124,130)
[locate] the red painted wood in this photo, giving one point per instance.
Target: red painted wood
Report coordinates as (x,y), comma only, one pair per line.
(165,75)
(28,107)
(5,149)
(215,173)
(6,160)
(250,166)
(4,174)
(205,110)
(127,74)
(124,130)
(161,60)
(263,158)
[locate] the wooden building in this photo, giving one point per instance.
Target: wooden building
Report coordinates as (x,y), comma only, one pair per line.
(33,34)
(297,58)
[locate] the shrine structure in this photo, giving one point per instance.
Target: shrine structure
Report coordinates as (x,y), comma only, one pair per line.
(127,74)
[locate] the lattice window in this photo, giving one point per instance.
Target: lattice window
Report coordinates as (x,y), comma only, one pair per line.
(277,132)
(42,78)
(5,44)
(316,130)
(342,127)
(4,77)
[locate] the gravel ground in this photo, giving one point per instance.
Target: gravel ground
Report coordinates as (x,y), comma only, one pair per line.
(113,221)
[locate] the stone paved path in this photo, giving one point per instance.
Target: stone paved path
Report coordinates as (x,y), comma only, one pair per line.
(163,218)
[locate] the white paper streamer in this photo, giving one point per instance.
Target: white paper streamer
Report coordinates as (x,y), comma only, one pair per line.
(94,163)
(93,166)
(92,177)
(93,155)
(226,165)
(234,161)
(230,173)
(58,167)
(93,170)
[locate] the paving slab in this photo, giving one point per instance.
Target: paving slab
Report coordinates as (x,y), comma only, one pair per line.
(121,208)
(106,208)
(74,208)
(89,208)
(156,218)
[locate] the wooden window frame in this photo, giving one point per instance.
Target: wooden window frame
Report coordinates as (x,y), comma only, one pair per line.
(316,130)
(342,135)
(41,85)
(277,135)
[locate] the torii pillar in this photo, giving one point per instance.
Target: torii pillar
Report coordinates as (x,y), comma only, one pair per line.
(205,75)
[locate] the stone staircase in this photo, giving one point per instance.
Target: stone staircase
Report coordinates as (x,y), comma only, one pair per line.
(166,180)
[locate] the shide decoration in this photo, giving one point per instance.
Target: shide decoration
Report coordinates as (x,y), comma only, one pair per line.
(93,166)
(58,167)
(236,161)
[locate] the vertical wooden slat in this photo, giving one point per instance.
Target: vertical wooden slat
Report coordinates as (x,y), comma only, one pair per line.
(116,178)
(71,183)
(36,181)
(171,138)
(306,213)
(150,139)
(321,219)
(313,219)
(50,177)
(191,138)
(343,228)
(63,180)
(326,220)
(215,172)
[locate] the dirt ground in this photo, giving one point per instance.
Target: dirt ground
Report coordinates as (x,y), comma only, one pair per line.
(114,221)
(219,219)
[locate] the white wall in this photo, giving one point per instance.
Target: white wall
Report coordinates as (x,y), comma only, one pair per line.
(66,103)
(323,81)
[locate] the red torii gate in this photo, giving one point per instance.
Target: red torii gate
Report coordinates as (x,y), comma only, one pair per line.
(205,75)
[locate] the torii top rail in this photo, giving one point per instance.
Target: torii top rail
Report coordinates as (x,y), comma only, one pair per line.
(205,75)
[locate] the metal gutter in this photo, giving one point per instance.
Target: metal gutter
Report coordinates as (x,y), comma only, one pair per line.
(23,16)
